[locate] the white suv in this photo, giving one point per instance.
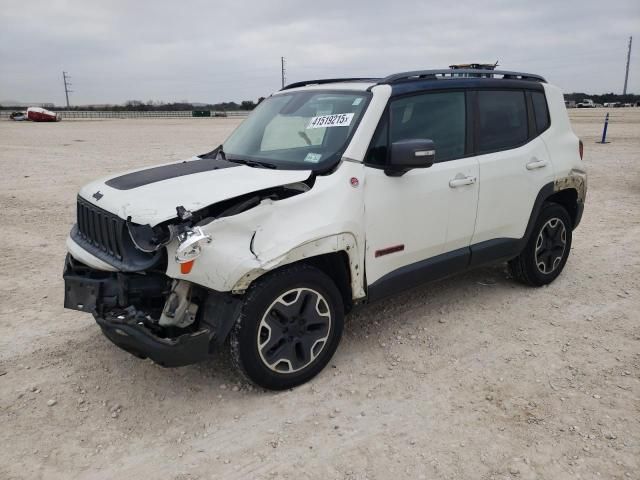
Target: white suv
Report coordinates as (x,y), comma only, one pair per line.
(331,194)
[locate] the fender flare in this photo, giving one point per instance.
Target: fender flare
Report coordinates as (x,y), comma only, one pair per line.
(342,242)
(575,180)
(544,193)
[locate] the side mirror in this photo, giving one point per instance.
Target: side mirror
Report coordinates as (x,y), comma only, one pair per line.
(409,154)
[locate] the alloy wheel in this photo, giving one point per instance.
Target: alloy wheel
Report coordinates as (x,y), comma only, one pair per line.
(294,330)
(550,245)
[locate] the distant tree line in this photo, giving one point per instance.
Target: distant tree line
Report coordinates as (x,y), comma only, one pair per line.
(603,98)
(151,106)
(137,105)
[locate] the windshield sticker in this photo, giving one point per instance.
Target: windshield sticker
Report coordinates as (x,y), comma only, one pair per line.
(337,120)
(357,101)
(313,157)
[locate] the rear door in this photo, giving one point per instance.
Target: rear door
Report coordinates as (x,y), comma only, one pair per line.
(514,163)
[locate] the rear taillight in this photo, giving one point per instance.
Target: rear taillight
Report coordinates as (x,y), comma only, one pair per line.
(580,148)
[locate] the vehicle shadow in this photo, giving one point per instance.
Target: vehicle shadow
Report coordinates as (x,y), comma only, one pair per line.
(217,375)
(431,299)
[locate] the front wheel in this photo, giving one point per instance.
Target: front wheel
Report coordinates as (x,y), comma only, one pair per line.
(289,327)
(547,250)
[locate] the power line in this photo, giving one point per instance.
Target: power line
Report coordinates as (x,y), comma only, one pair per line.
(283,71)
(67,84)
(626,74)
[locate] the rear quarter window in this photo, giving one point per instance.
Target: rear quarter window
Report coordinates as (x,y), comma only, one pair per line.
(540,111)
(502,116)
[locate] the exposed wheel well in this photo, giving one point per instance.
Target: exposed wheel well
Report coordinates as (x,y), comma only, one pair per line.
(336,266)
(568,198)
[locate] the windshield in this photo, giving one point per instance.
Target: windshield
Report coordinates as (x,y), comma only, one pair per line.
(298,130)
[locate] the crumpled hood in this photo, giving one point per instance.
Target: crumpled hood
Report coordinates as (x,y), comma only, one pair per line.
(151,195)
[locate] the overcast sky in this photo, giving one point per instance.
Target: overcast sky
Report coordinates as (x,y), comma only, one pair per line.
(211,51)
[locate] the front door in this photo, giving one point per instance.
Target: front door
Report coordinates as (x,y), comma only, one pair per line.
(420,224)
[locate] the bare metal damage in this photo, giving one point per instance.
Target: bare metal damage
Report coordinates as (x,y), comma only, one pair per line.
(577,180)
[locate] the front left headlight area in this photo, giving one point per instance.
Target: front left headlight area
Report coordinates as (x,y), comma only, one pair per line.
(190,244)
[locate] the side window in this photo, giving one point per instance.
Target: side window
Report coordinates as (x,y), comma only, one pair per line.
(440,117)
(540,111)
(502,120)
(377,154)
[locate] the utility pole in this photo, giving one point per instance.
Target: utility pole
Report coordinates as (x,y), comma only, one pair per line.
(626,75)
(67,84)
(283,71)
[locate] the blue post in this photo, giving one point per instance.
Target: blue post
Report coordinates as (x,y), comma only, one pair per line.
(604,130)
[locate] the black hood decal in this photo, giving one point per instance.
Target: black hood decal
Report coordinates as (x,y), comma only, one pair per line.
(158,174)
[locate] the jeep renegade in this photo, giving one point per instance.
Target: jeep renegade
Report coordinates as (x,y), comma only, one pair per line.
(332,193)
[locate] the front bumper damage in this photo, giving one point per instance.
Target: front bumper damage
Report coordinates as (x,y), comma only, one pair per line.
(129,307)
(138,340)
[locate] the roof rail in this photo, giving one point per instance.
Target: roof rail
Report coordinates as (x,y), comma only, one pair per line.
(459,72)
(327,80)
(475,66)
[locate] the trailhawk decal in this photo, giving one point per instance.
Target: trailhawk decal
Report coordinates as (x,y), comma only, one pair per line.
(337,120)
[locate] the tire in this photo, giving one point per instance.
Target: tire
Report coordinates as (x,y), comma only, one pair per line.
(281,339)
(547,249)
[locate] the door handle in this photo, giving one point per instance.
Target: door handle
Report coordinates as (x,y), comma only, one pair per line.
(461,181)
(535,163)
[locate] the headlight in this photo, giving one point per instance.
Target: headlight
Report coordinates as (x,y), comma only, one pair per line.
(190,244)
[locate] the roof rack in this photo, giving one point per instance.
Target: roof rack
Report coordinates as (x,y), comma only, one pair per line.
(475,66)
(327,80)
(426,75)
(458,73)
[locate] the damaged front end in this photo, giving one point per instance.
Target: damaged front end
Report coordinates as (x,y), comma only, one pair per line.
(150,315)
(186,228)
(136,302)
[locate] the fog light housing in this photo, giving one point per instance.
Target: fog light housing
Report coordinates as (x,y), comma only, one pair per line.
(190,244)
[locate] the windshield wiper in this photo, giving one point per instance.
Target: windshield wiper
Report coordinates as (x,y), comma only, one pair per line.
(252,163)
(215,153)
(219,152)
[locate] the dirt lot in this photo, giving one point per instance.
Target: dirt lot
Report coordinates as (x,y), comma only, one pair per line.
(473,377)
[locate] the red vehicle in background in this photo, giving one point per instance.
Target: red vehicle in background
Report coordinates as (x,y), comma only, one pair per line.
(37,114)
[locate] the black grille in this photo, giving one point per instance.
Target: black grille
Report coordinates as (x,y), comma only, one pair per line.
(100,228)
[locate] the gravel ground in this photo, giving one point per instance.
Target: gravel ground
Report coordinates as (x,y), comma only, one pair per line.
(472,377)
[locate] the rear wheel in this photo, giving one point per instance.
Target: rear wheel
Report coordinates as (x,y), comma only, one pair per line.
(289,327)
(547,250)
